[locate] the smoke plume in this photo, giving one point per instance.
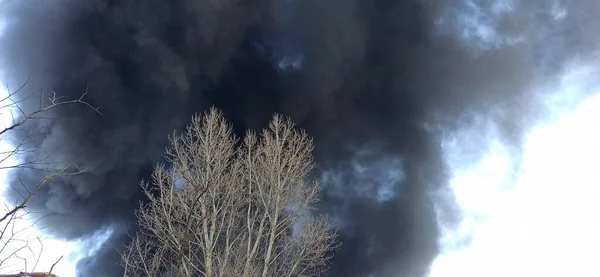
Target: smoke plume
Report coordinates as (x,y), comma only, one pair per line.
(376,82)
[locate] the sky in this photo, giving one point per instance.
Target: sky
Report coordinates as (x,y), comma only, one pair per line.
(453,138)
(543,221)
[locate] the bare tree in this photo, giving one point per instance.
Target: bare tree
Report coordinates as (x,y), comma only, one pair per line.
(16,243)
(222,211)
(30,274)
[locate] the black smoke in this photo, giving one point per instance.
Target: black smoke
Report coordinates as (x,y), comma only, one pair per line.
(376,82)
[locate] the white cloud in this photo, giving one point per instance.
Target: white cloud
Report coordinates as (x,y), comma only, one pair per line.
(558,11)
(478,23)
(546,223)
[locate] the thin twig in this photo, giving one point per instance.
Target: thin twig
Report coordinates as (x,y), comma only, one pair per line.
(52,267)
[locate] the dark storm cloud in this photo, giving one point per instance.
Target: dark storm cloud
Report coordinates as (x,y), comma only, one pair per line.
(369,80)
(149,65)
